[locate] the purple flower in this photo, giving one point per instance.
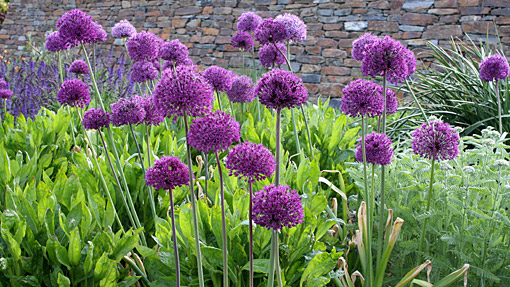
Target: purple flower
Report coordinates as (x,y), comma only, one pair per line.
(153,115)
(143,71)
(100,34)
(296,28)
(436,141)
(242,90)
(362,98)
(123,29)
(95,119)
(269,55)
(3,84)
(167,173)
(219,78)
(77,27)
(391,100)
(279,89)
(214,132)
(183,91)
(5,94)
(174,51)
(248,22)
(494,67)
(143,46)
(377,147)
(359,46)
(271,31)
(55,43)
(250,160)
(170,64)
(277,206)
(75,93)
(127,112)
(79,67)
(243,41)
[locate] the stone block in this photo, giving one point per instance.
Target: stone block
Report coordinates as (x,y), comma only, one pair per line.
(356,26)
(410,28)
(446,3)
(496,3)
(444,11)
(334,53)
(417,4)
(442,32)
(334,70)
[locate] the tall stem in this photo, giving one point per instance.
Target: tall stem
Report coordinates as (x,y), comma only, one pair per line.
(147,134)
(219,99)
(92,77)
(368,237)
(429,200)
(308,132)
(251,233)
(499,107)
(223,224)
(174,238)
(383,174)
(296,137)
(206,171)
(278,143)
(417,102)
(277,259)
(242,56)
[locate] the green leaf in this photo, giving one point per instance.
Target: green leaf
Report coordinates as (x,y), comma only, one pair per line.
(74,249)
(63,281)
(320,265)
(125,245)
(259,265)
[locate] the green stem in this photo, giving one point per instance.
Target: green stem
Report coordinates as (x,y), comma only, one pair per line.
(270,282)
(60,70)
(149,91)
(277,151)
(206,170)
(499,108)
(219,100)
(464,216)
(383,174)
(93,77)
(417,102)
(223,224)
(250,216)
(242,56)
(368,237)
(147,133)
(277,259)
(296,137)
(429,200)
(174,239)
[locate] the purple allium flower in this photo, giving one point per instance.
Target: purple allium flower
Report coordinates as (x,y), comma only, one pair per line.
(437,140)
(95,119)
(75,27)
(3,84)
(277,206)
(362,98)
(55,43)
(377,147)
(243,41)
(127,111)
(271,31)
(214,132)
(170,64)
(220,79)
(411,61)
(101,35)
(5,94)
(143,46)
(279,89)
(269,55)
(248,22)
(156,65)
(359,46)
(391,100)
(183,91)
(75,93)
(494,67)
(153,115)
(296,28)
(251,161)
(167,173)
(174,51)
(143,71)
(242,91)
(123,29)
(79,67)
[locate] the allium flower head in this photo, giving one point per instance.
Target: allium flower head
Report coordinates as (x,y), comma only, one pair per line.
(174,51)
(391,100)
(296,28)
(143,46)
(75,27)
(5,94)
(55,43)
(127,111)
(183,91)
(251,161)
(271,31)
(359,46)
(248,22)
(243,41)
(214,132)
(153,114)
(170,64)
(3,84)
(123,29)
(279,89)
(143,71)
(167,173)
(74,93)
(270,57)
(378,149)
(100,33)
(221,79)
(362,98)
(277,206)
(494,67)
(242,91)
(436,141)
(95,119)
(79,67)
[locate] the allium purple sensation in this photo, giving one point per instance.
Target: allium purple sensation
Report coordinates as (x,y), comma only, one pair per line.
(248,22)
(252,161)
(153,115)
(220,79)
(143,71)
(391,100)
(243,41)
(5,94)
(183,91)
(214,132)
(242,91)
(436,141)
(123,29)
(95,119)
(3,84)
(174,51)
(494,67)
(127,111)
(55,43)
(74,93)
(170,64)
(378,149)
(362,98)
(100,34)
(279,89)
(359,46)
(296,28)
(277,206)
(79,67)
(167,173)
(76,27)
(143,46)
(271,31)
(270,57)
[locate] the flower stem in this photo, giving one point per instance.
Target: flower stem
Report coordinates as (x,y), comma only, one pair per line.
(223,224)
(499,108)
(296,137)
(277,151)
(429,200)
(219,99)
(147,133)
(368,237)
(383,174)
(93,77)
(174,238)
(206,171)
(277,258)
(251,233)
(417,102)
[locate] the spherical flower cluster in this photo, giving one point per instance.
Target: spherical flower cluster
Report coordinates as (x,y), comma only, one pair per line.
(359,46)
(5,94)
(100,33)
(269,55)
(251,161)
(123,29)
(55,43)
(243,41)
(79,67)
(143,71)
(279,89)
(277,206)
(143,46)
(174,51)
(391,100)
(248,22)
(362,98)
(221,79)
(153,115)
(494,67)
(214,132)
(167,173)
(378,149)
(95,118)
(242,90)
(74,93)
(76,27)
(3,84)
(170,64)
(296,28)
(183,91)
(127,111)
(436,141)
(271,31)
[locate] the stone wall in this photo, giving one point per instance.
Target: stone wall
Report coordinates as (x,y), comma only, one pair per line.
(323,60)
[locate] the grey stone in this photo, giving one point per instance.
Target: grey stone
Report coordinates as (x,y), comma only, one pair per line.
(118,42)
(295,67)
(476,38)
(355,26)
(349,18)
(193,23)
(329,20)
(410,28)
(470,18)
(311,78)
(335,103)
(417,4)
(325,12)
(22,38)
(373,18)
(283,2)
(342,12)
